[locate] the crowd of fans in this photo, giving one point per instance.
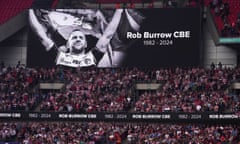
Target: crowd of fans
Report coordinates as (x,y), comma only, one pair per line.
(96,90)
(191,90)
(16,84)
(62,133)
(117,133)
(186,102)
(175,134)
(8,132)
(222,9)
(113,90)
(18,89)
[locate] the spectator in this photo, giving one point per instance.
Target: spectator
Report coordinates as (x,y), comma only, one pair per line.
(220,65)
(212,66)
(107,133)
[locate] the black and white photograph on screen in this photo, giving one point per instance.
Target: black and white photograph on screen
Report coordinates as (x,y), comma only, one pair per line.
(114,37)
(82,37)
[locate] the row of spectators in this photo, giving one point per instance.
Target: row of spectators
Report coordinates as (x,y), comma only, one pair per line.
(111,90)
(159,101)
(108,90)
(96,90)
(117,133)
(62,133)
(231,28)
(16,86)
(189,134)
(85,89)
(191,90)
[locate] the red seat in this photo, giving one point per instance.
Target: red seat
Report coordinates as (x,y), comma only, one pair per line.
(11,8)
(234,10)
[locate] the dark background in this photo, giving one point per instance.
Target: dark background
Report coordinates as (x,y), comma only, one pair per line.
(183,52)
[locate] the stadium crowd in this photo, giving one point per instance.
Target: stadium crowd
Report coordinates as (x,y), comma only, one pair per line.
(62,133)
(191,90)
(225,11)
(175,134)
(96,90)
(186,102)
(112,90)
(117,133)
(16,84)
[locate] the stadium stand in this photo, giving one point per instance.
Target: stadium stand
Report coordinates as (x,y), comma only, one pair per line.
(156,134)
(109,90)
(225,14)
(16,85)
(117,133)
(186,90)
(190,91)
(11,8)
(31,114)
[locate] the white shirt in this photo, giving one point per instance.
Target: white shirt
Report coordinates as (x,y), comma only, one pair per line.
(72,60)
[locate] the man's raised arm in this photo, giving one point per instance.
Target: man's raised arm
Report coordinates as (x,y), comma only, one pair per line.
(40,30)
(108,33)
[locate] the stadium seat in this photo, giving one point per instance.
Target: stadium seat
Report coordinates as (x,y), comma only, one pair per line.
(11,8)
(232,17)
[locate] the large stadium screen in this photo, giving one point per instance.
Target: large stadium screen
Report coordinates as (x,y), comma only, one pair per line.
(114,38)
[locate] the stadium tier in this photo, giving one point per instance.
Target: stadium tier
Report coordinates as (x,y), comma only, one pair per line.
(119,72)
(117,90)
(226,16)
(117,133)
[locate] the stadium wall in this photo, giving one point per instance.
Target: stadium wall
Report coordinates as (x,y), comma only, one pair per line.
(14,48)
(13,25)
(217,53)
